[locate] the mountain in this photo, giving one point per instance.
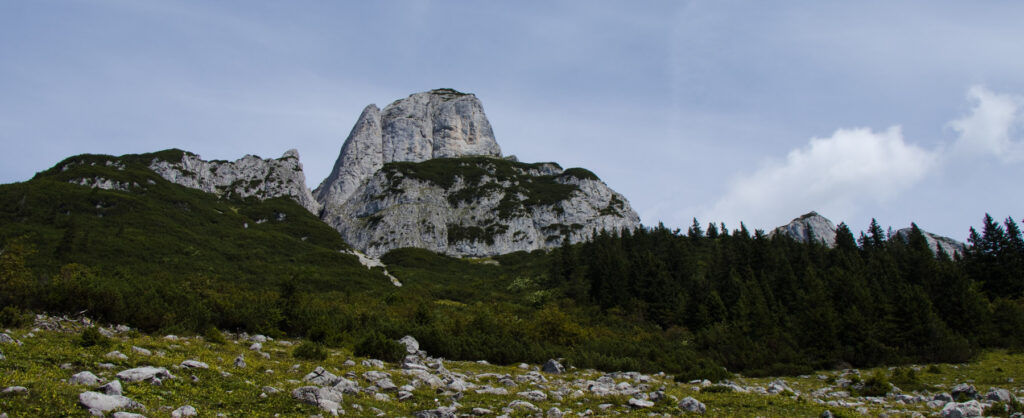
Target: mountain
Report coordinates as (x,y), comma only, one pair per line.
(935,242)
(812,227)
(427,172)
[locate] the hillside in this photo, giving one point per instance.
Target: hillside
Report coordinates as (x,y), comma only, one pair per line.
(135,241)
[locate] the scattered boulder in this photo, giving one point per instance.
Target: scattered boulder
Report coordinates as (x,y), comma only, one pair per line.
(126,415)
(964,390)
(961,409)
(144,373)
(441,412)
(411,345)
(639,403)
(533,395)
(194,364)
(140,350)
(690,404)
(14,390)
(240,361)
(553,366)
(518,405)
(998,395)
(7,339)
(116,355)
(111,388)
(84,378)
(185,411)
(321,376)
(554,413)
(102,403)
(327,399)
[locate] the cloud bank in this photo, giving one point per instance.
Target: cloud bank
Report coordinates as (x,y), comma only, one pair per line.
(840,174)
(830,175)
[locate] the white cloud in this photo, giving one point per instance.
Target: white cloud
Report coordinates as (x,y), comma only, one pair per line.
(991,126)
(831,175)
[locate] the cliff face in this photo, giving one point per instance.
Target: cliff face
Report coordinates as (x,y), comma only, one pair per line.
(810,227)
(426,172)
(249,176)
(948,245)
(478,206)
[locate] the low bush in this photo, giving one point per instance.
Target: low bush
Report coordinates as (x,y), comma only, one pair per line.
(12,317)
(214,335)
(92,337)
(310,351)
(376,345)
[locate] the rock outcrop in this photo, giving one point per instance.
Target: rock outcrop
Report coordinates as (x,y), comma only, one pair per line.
(810,227)
(435,124)
(249,176)
(427,172)
(948,245)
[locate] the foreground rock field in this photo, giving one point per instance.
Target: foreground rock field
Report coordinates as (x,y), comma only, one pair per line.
(44,371)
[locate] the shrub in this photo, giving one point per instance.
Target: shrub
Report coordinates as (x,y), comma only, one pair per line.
(214,335)
(12,317)
(1004,409)
(934,369)
(704,369)
(92,337)
(876,385)
(310,351)
(376,345)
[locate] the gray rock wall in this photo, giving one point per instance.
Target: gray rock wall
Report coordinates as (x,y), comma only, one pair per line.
(249,176)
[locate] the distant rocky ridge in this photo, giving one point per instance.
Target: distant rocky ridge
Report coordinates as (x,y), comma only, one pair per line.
(424,172)
(812,227)
(249,176)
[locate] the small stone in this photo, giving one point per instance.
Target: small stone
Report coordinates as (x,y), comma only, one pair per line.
(95,401)
(240,361)
(14,390)
(84,378)
(553,366)
(126,415)
(144,373)
(692,405)
(482,411)
(194,364)
(143,351)
(111,388)
(640,403)
(116,355)
(185,411)
(256,347)
(533,395)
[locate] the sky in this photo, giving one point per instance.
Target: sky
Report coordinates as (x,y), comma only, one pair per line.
(723,111)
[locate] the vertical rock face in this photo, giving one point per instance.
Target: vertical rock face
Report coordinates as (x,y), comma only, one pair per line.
(361,156)
(426,172)
(249,176)
(810,227)
(434,124)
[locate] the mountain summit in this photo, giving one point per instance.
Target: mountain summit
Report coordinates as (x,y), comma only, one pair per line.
(427,172)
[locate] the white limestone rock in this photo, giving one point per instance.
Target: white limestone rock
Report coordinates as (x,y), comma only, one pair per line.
(376,207)
(249,176)
(810,227)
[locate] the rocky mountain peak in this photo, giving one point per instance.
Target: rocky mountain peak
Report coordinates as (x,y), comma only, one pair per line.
(426,171)
(948,245)
(810,227)
(439,123)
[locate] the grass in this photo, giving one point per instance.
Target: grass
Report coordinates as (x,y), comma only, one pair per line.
(37,366)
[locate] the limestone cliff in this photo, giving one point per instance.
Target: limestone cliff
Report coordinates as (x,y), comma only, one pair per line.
(810,227)
(427,172)
(249,176)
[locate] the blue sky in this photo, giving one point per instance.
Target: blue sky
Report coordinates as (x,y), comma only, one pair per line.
(724,110)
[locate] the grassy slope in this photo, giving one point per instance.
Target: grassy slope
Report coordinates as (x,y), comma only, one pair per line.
(160,228)
(35,365)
